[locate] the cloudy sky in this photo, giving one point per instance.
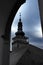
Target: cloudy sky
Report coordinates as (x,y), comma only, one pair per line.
(31,22)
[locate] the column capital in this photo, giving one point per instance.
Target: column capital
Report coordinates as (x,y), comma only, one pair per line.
(5,38)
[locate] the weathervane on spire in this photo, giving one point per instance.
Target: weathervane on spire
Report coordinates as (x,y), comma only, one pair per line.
(20,14)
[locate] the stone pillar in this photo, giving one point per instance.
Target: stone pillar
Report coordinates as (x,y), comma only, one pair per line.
(40,2)
(6,51)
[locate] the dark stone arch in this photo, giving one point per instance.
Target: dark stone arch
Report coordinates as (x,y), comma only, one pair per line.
(12,15)
(6,36)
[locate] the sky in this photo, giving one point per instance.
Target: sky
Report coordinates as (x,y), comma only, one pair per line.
(31,22)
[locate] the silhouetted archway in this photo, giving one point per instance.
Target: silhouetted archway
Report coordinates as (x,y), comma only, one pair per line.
(6,36)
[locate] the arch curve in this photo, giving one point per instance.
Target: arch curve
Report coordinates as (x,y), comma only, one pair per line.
(6,36)
(12,15)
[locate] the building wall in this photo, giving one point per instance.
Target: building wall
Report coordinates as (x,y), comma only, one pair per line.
(5,8)
(41,11)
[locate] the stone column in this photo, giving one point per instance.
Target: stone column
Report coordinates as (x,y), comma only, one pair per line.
(6,51)
(40,2)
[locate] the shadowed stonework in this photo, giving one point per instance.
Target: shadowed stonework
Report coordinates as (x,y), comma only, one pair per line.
(23,53)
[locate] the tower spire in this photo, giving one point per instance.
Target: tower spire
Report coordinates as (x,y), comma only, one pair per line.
(20,17)
(20,24)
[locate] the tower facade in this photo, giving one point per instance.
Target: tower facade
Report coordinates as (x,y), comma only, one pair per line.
(20,39)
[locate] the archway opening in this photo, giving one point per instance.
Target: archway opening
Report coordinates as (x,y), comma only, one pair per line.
(31,23)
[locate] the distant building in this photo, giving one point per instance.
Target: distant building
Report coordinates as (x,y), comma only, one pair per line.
(20,39)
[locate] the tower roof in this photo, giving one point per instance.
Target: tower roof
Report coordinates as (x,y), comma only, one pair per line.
(20,32)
